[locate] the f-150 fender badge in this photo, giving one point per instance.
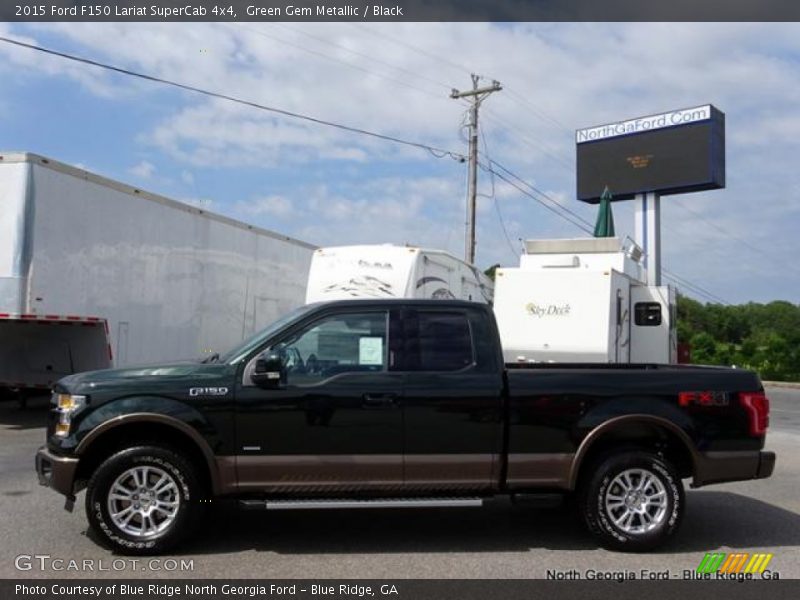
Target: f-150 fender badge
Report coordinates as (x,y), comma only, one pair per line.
(208,391)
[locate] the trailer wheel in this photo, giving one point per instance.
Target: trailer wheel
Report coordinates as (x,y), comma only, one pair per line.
(143,500)
(633,501)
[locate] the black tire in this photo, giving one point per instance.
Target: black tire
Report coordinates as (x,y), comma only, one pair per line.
(637,528)
(157,460)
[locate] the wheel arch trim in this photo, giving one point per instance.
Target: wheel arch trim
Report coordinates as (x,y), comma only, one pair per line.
(143,417)
(608,426)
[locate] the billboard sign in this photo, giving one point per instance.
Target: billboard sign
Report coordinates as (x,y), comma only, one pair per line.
(670,153)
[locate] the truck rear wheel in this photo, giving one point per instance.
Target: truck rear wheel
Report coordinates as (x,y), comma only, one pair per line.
(143,500)
(632,501)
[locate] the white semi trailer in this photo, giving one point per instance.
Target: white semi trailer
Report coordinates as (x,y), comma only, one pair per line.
(388,271)
(583,300)
(94,272)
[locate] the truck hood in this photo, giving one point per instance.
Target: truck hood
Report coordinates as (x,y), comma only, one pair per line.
(139,377)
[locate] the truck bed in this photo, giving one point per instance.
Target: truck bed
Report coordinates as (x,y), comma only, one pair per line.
(630,378)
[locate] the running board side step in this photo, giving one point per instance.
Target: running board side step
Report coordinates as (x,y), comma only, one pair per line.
(317,504)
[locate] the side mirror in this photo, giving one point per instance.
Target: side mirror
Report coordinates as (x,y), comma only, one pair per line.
(268,371)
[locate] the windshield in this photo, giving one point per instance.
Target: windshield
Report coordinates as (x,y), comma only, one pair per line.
(246,347)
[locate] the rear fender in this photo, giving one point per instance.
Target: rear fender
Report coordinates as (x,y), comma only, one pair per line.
(619,422)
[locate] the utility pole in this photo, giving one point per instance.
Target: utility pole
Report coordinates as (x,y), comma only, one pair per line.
(477,96)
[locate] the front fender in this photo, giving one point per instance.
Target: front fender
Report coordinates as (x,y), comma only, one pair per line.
(140,408)
(177,416)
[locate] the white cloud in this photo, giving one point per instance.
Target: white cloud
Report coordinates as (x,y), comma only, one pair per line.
(276,206)
(395,79)
(386,210)
(144,170)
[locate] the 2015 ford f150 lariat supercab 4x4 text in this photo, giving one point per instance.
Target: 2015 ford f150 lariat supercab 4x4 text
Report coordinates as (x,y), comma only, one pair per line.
(396,402)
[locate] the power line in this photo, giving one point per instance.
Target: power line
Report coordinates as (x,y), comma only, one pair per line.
(541,115)
(568,164)
(565,163)
(585,226)
(334,59)
(724,231)
(437,152)
(493,196)
(699,290)
(520,99)
(571,163)
(385,36)
(365,56)
(575,219)
(522,190)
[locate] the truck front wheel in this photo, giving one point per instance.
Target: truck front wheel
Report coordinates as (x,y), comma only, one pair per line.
(633,501)
(143,500)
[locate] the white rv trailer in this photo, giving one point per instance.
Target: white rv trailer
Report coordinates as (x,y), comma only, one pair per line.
(91,267)
(387,271)
(583,300)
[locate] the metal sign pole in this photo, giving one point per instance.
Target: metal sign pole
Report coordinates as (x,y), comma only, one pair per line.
(648,234)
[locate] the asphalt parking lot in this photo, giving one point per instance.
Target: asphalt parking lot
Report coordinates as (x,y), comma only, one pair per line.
(497,541)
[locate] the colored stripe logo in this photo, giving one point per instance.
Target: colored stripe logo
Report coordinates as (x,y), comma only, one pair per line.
(736,562)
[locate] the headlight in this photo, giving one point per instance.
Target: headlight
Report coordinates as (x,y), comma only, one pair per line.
(68,402)
(66,405)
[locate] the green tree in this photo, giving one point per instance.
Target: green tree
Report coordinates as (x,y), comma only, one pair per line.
(762,337)
(690,318)
(704,349)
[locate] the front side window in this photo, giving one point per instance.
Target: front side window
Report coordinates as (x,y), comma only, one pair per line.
(439,341)
(348,343)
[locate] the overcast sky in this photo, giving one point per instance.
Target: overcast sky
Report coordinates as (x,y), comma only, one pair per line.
(331,187)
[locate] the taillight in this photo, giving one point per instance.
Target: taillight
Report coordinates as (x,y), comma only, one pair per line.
(757,406)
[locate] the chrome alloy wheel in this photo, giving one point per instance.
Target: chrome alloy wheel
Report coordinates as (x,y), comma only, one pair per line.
(636,501)
(143,501)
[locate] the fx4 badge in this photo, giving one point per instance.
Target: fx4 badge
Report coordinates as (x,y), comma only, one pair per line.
(208,391)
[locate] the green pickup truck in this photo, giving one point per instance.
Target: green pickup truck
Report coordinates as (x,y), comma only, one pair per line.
(375,403)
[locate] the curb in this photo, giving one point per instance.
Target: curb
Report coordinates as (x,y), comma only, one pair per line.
(782,384)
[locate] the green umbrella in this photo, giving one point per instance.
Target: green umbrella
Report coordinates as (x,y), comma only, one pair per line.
(605,219)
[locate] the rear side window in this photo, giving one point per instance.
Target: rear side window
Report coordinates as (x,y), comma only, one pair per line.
(438,341)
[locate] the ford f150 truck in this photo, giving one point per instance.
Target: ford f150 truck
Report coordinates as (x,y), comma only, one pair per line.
(374,403)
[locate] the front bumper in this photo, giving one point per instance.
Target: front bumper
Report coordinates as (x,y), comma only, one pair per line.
(56,472)
(719,467)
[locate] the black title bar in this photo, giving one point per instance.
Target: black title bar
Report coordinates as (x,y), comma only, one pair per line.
(400,589)
(399,10)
